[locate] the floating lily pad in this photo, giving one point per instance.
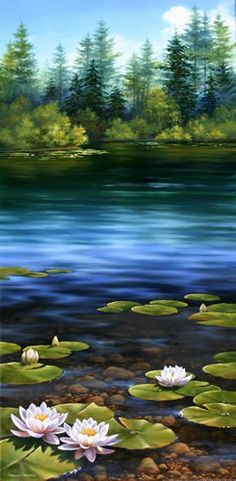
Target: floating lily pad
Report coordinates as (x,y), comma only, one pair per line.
(229,356)
(222,307)
(13,271)
(17,373)
(109,310)
(36,274)
(37,465)
(221,319)
(228,397)
(122,305)
(202,297)
(217,415)
(64,349)
(155,392)
(226,370)
(6,422)
(8,347)
(169,302)
(58,271)
(154,310)
(134,433)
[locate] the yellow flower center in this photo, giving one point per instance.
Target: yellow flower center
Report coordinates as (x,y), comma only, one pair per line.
(89,431)
(41,417)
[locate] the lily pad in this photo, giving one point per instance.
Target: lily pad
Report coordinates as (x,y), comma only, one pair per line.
(134,433)
(122,305)
(17,373)
(64,349)
(201,297)
(222,307)
(6,422)
(36,274)
(154,310)
(228,397)
(109,310)
(8,348)
(58,271)
(155,392)
(221,319)
(37,465)
(169,302)
(13,271)
(229,356)
(217,415)
(226,370)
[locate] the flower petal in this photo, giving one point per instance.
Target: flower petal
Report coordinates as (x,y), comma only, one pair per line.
(51,438)
(90,454)
(20,434)
(18,423)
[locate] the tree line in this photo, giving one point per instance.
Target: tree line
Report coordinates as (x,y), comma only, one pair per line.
(194,77)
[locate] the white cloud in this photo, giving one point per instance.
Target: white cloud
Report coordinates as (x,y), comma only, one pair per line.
(176,17)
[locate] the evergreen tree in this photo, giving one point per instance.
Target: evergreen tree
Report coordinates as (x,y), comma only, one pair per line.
(193,42)
(133,84)
(222,56)
(60,74)
(50,93)
(93,92)
(210,96)
(147,68)
(74,100)
(19,65)
(206,49)
(84,56)
(104,55)
(117,103)
(178,77)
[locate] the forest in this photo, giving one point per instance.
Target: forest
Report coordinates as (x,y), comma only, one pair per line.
(187,95)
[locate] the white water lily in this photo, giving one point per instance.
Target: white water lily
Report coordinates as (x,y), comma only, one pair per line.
(39,422)
(55,342)
(203,308)
(88,438)
(30,356)
(173,376)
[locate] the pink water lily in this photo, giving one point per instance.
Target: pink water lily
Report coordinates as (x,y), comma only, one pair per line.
(88,438)
(39,422)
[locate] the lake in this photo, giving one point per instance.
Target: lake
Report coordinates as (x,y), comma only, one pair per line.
(132,222)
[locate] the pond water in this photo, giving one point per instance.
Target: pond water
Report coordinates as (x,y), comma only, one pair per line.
(138,222)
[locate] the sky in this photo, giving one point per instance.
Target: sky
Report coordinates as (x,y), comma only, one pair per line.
(130,22)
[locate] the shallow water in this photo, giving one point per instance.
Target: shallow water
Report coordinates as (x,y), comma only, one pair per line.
(138,222)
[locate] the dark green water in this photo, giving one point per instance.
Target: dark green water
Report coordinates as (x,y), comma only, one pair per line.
(138,222)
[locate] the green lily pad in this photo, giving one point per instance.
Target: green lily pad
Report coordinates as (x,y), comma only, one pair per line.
(228,397)
(58,271)
(8,348)
(229,356)
(64,349)
(217,415)
(13,271)
(134,433)
(122,305)
(221,319)
(154,310)
(226,370)
(36,465)
(222,307)
(109,310)
(6,422)
(202,297)
(169,303)
(155,392)
(17,373)
(36,274)
(141,434)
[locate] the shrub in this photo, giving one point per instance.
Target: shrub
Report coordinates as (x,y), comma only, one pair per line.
(120,130)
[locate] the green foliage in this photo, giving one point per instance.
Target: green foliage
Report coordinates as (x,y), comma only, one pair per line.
(104,55)
(92,91)
(120,130)
(161,110)
(84,56)
(116,103)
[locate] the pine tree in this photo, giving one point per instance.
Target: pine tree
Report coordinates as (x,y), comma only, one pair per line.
(206,54)
(192,39)
(104,55)
(178,77)
(84,56)
(74,100)
(222,56)
(60,74)
(117,103)
(50,93)
(93,94)
(147,68)
(210,96)
(133,84)
(19,65)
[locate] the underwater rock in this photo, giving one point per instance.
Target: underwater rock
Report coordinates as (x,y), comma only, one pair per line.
(140,366)
(148,466)
(116,399)
(180,449)
(118,373)
(205,464)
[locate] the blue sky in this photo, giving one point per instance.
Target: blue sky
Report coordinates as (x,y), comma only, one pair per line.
(130,21)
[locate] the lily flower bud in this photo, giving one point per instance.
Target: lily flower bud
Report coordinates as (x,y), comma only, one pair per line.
(30,356)
(55,342)
(202,308)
